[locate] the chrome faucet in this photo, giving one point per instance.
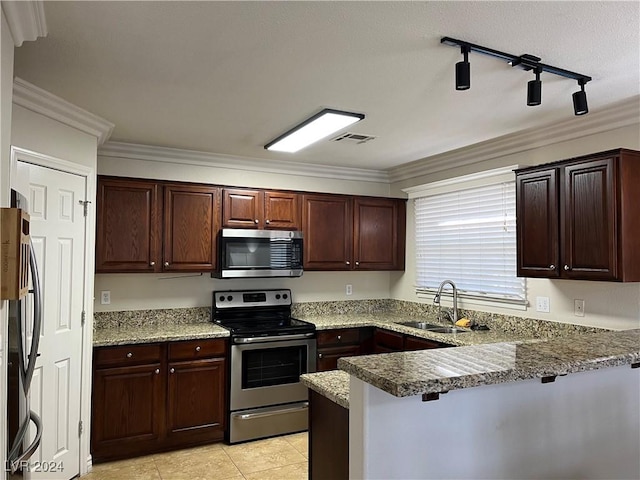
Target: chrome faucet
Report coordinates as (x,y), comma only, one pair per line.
(436,299)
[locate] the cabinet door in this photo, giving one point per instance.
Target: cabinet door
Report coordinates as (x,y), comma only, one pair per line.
(128,226)
(386,341)
(537,225)
(417,343)
(379,226)
(327,228)
(590,224)
(328,357)
(128,410)
(191,223)
(196,400)
(281,210)
(241,208)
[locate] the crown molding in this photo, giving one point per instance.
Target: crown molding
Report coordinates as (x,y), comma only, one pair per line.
(26,20)
(192,157)
(617,115)
(40,101)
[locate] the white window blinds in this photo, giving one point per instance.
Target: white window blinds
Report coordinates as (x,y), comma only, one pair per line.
(469,236)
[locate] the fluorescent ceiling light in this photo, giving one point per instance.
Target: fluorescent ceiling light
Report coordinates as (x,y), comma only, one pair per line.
(317,127)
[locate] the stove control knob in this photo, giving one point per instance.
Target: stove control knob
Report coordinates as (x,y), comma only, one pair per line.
(285,296)
(229,297)
(222,298)
(277,296)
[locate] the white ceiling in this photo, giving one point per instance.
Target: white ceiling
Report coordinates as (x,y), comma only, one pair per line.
(228,77)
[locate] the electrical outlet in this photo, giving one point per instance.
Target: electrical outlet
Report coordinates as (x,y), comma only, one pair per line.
(349,289)
(542,304)
(578,308)
(105,297)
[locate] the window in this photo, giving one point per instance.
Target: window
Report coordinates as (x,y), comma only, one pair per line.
(468,234)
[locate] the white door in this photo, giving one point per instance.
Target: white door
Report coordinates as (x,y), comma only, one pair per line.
(58,237)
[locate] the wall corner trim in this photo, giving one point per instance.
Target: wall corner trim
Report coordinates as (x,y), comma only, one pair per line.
(26,20)
(40,101)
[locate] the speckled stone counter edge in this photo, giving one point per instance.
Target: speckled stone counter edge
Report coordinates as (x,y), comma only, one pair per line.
(333,385)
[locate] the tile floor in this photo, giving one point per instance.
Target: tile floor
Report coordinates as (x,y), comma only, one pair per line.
(280,458)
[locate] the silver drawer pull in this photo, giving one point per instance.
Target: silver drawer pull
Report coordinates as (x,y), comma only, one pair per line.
(157,371)
(566,267)
(173,370)
(552,267)
(129,355)
(198,348)
(255,221)
(152,264)
(339,337)
(250,416)
(166,264)
(319,355)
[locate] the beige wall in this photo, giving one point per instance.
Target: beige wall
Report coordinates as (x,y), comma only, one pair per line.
(607,304)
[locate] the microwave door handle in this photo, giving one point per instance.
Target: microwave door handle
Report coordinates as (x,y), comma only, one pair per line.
(37,321)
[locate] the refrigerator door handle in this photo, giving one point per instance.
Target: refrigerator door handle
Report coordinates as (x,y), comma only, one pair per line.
(37,320)
(15,464)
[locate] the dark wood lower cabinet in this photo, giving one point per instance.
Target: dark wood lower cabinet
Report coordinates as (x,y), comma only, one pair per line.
(150,398)
(328,439)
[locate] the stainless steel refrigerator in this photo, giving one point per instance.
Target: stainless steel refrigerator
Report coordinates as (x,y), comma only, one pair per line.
(25,320)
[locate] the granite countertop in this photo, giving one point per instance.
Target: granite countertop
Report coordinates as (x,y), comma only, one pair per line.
(333,384)
(386,320)
(131,334)
(440,370)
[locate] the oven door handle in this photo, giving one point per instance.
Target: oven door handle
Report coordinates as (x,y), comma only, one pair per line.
(298,336)
(268,413)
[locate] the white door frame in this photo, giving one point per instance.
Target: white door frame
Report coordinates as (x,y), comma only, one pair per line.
(42,160)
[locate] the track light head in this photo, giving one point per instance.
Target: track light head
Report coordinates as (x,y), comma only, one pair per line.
(534,90)
(463,71)
(580,106)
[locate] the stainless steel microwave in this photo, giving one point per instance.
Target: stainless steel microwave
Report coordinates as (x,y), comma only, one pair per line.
(259,253)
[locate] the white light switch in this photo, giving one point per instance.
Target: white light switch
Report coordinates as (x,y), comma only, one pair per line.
(105,297)
(542,304)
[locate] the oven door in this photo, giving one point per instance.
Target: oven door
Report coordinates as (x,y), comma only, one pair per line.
(266,371)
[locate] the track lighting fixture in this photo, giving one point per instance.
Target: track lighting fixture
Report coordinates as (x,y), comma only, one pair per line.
(534,90)
(525,62)
(580,106)
(463,71)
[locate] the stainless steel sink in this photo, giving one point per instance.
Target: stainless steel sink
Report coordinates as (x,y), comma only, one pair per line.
(432,327)
(420,325)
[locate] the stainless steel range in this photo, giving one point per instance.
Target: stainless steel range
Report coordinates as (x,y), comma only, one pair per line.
(269,352)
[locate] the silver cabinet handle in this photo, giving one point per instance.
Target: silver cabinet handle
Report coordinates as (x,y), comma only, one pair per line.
(566,268)
(129,355)
(339,337)
(157,371)
(319,355)
(267,222)
(152,264)
(198,348)
(357,263)
(166,264)
(173,370)
(255,221)
(552,267)
(347,262)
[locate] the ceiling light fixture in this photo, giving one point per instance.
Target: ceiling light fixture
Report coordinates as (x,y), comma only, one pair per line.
(315,128)
(534,90)
(525,62)
(580,106)
(463,71)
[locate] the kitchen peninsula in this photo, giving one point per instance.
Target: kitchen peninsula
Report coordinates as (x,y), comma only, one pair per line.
(556,408)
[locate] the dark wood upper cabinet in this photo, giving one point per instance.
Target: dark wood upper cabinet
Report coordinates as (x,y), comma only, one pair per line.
(263,209)
(327,227)
(191,216)
(578,219)
(128,226)
(353,233)
(379,233)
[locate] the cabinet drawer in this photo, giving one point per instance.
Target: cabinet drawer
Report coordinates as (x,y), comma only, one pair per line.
(388,340)
(127,355)
(338,336)
(194,349)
